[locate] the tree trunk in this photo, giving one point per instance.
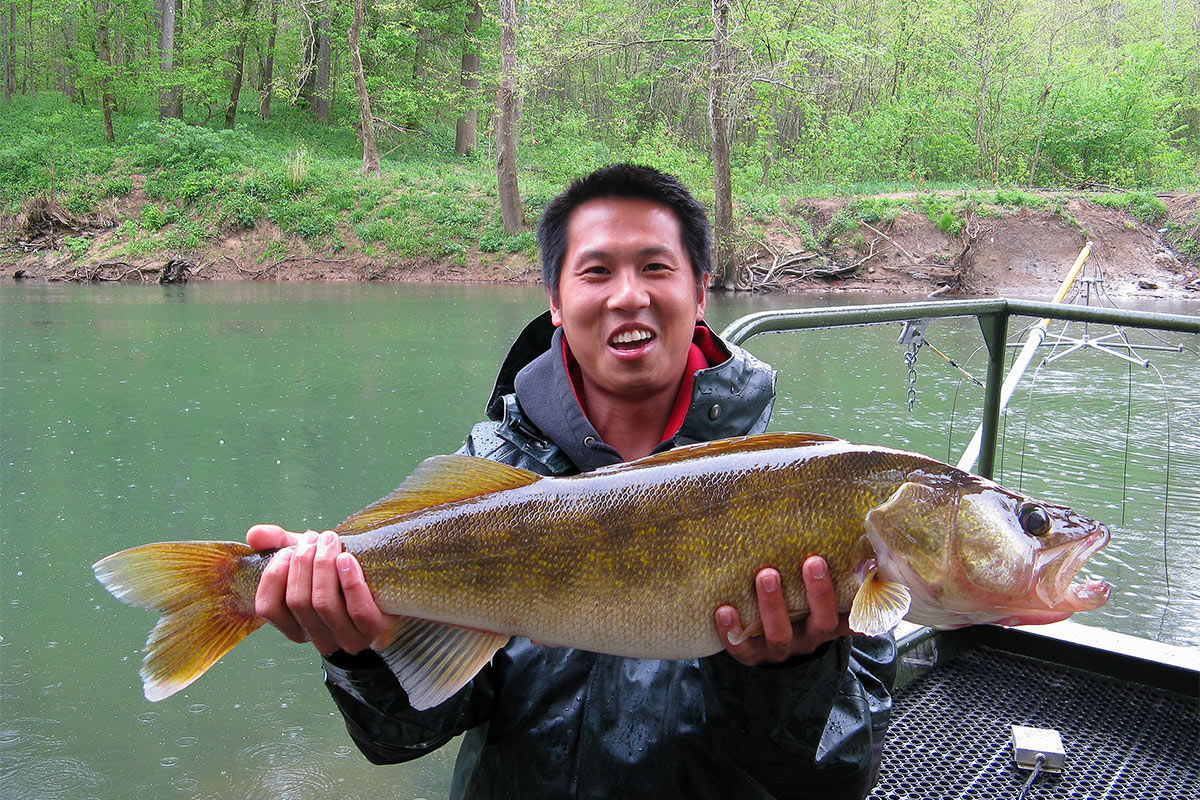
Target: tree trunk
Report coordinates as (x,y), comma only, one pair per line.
(29,81)
(268,74)
(308,62)
(239,62)
(70,75)
(164,12)
(103,13)
(511,213)
(466,133)
(8,54)
(321,100)
(170,98)
(1037,146)
(724,272)
(366,128)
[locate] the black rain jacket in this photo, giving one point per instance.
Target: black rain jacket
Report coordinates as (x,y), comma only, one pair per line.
(545,722)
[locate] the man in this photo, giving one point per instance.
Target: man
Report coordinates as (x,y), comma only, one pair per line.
(620,367)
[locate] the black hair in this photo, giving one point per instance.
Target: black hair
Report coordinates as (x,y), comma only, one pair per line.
(624,180)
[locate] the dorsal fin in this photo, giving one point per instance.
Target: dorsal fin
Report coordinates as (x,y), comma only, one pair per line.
(437,481)
(719,447)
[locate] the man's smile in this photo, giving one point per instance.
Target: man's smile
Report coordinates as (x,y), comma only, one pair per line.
(631,338)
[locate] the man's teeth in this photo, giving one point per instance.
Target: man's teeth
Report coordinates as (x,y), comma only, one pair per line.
(629,337)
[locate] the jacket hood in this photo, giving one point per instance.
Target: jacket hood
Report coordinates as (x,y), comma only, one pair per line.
(731,398)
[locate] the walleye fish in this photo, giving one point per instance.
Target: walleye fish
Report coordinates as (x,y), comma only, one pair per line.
(635,558)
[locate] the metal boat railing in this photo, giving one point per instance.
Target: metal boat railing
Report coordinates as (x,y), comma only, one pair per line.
(994,316)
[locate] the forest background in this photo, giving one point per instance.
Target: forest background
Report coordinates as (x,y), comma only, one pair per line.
(435,130)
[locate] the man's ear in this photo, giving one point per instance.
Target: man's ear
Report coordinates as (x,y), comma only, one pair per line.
(701,296)
(555,308)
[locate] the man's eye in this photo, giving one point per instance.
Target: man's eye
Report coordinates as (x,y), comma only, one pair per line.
(656,266)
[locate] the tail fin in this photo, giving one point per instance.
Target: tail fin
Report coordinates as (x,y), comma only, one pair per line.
(205,591)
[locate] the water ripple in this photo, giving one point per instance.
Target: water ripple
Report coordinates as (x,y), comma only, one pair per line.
(31,773)
(267,755)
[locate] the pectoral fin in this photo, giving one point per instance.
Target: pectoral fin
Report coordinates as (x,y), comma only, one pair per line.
(878,605)
(433,661)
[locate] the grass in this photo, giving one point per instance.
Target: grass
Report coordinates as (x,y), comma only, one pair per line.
(1143,205)
(199,183)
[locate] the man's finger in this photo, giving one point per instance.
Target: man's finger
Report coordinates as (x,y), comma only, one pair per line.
(361,607)
(729,628)
(269,599)
(270,537)
(300,593)
(822,602)
(772,606)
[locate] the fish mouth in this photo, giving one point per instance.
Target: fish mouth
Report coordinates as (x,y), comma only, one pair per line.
(1057,568)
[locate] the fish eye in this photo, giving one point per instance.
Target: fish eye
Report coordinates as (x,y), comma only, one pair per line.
(1034,519)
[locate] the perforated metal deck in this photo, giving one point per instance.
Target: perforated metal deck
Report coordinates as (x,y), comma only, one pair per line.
(951,730)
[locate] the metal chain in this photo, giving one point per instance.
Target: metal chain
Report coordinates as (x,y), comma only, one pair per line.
(910,358)
(912,335)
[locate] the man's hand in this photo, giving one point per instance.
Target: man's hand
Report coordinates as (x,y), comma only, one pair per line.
(782,639)
(312,591)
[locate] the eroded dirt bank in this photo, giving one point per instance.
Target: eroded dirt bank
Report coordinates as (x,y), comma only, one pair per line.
(1023,250)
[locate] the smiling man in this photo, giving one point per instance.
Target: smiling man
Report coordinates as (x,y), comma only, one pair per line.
(628,302)
(621,366)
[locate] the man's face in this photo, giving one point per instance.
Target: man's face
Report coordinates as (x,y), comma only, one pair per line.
(627,300)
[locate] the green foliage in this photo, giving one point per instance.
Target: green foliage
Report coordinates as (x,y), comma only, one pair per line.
(1015,198)
(494,241)
(267,189)
(985,95)
(1186,236)
(942,212)
(844,221)
(275,250)
(761,208)
(76,246)
(806,234)
(296,172)
(878,209)
(184,148)
(948,222)
(81,198)
(153,217)
(242,210)
(903,93)
(1142,205)
(116,186)
(186,235)
(303,217)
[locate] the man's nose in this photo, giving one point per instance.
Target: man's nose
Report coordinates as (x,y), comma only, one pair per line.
(629,291)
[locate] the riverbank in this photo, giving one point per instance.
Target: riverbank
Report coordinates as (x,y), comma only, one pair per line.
(952,243)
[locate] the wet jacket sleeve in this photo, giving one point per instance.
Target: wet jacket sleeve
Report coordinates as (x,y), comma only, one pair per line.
(379,718)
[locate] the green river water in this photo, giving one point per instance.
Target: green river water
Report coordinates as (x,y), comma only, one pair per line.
(138,414)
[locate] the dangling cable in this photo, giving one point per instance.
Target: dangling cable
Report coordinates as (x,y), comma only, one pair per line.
(1128,420)
(1166,500)
(954,407)
(1037,768)
(1004,414)
(1025,427)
